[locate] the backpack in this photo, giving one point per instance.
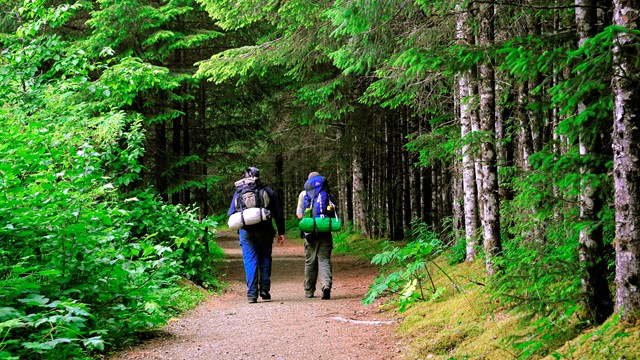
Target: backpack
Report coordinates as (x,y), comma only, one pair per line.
(318,197)
(250,194)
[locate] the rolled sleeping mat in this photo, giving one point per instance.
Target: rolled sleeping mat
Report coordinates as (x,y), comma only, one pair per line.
(250,216)
(322,224)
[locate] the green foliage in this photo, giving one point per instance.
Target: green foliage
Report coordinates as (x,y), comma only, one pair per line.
(353,243)
(178,229)
(83,263)
(151,31)
(438,145)
(542,247)
(326,98)
(407,269)
(458,252)
(231,15)
(542,222)
(614,339)
(85,259)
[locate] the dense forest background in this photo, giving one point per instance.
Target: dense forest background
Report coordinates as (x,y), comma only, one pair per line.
(508,129)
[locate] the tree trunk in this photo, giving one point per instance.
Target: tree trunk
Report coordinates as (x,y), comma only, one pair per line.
(491,218)
(467,100)
(457,202)
(398,179)
(416,188)
(176,153)
(475,129)
(595,289)
(185,170)
(626,159)
(445,195)
(434,195)
(535,112)
(526,141)
(359,215)
(406,169)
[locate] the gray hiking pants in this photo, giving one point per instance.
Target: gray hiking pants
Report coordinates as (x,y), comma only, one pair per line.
(317,261)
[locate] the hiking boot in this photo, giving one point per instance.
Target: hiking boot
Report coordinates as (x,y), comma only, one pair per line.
(326,294)
(265,295)
(308,294)
(253,300)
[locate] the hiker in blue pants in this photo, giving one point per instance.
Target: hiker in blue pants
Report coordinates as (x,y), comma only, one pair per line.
(317,253)
(257,240)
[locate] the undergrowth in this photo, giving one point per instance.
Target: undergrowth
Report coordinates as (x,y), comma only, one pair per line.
(450,311)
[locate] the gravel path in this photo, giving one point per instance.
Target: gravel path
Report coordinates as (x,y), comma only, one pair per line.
(290,326)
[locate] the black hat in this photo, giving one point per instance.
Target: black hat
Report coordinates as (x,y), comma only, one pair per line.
(252,172)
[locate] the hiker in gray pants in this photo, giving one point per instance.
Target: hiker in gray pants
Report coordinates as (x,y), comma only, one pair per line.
(317,254)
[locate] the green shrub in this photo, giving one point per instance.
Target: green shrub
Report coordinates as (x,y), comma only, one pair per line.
(407,273)
(84,261)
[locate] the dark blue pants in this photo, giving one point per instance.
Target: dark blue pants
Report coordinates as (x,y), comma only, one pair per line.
(256,255)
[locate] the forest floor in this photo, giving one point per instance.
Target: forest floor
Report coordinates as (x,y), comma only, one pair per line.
(290,326)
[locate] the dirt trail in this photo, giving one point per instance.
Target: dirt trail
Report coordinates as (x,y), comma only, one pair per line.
(290,326)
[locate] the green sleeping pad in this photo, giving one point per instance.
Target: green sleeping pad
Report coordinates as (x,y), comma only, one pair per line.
(325,224)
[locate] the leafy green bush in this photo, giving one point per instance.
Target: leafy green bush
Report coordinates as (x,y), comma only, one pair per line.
(84,263)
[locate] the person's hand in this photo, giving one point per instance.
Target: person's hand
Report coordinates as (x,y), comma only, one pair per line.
(281,239)
(299,216)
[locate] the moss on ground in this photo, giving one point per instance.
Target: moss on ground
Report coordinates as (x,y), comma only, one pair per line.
(465,323)
(612,340)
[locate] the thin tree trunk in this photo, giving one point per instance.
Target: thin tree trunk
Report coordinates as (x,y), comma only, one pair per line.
(535,112)
(475,129)
(405,169)
(446,199)
(457,202)
(471,221)
(176,154)
(426,183)
(416,186)
(434,195)
(491,218)
(359,215)
(186,151)
(426,194)
(398,181)
(526,141)
(342,173)
(626,159)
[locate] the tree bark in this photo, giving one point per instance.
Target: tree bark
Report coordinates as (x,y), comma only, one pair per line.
(467,100)
(359,214)
(457,202)
(185,170)
(595,288)
(491,219)
(626,160)
(342,190)
(176,154)
(406,185)
(526,141)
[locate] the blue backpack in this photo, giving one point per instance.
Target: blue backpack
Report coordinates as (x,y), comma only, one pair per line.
(318,197)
